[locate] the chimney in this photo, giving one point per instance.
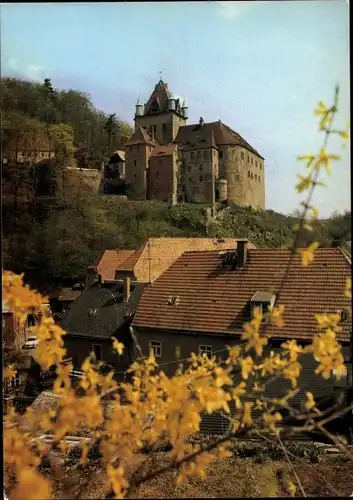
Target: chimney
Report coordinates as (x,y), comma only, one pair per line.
(201,122)
(242,250)
(126,288)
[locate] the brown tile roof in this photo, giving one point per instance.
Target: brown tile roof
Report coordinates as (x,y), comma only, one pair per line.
(161,95)
(130,263)
(222,305)
(159,253)
(156,255)
(223,135)
(166,150)
(140,136)
(110,260)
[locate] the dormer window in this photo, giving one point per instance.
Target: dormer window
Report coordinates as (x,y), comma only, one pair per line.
(263,301)
(343,314)
(173,300)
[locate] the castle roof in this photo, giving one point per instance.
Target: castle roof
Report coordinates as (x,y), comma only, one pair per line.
(202,137)
(166,150)
(141,136)
(223,135)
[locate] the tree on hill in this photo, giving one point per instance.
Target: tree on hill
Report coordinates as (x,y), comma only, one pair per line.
(71,107)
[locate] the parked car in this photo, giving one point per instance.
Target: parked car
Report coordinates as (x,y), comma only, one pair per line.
(31,343)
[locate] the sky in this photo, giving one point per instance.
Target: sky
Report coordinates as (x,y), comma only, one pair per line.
(260,67)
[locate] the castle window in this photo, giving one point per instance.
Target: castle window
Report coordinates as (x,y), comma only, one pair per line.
(164,128)
(192,155)
(221,155)
(157,175)
(237,178)
(251,161)
(205,153)
(190,179)
(242,156)
(252,175)
(135,163)
(201,178)
(130,150)
(200,168)
(189,168)
(249,173)
(258,178)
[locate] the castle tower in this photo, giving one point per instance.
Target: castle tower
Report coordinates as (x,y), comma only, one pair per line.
(162,115)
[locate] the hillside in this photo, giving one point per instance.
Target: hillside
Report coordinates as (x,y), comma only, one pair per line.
(33,113)
(56,240)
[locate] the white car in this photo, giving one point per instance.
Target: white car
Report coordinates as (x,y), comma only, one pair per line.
(31,343)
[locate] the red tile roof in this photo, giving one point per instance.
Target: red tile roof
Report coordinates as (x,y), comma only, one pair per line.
(166,150)
(223,135)
(213,299)
(140,136)
(110,260)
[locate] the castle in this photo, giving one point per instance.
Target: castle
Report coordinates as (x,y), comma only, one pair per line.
(168,160)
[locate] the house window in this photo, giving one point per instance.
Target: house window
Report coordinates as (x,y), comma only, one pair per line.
(156,347)
(255,177)
(130,150)
(205,350)
(97,349)
(205,153)
(242,156)
(12,383)
(248,173)
(251,161)
(252,175)
(221,155)
(190,179)
(258,178)
(164,128)
(192,155)
(201,178)
(135,163)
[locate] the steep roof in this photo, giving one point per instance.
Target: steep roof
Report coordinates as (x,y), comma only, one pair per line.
(223,135)
(158,254)
(223,305)
(160,95)
(99,312)
(47,400)
(166,150)
(110,260)
(118,155)
(140,136)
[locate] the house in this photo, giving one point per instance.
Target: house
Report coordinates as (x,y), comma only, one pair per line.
(96,316)
(148,262)
(19,349)
(201,301)
(116,166)
(29,149)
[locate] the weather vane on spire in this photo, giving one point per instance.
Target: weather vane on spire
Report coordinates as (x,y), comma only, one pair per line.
(160,75)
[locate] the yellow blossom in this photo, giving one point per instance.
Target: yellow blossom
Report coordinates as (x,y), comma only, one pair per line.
(308,253)
(310,402)
(118,346)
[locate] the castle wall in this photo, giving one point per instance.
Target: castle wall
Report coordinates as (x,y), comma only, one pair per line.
(136,166)
(244,172)
(200,169)
(73,180)
(166,126)
(162,178)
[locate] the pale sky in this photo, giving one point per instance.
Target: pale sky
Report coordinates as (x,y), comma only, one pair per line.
(258,66)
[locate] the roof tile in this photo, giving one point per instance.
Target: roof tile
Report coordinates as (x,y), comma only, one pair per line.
(222,305)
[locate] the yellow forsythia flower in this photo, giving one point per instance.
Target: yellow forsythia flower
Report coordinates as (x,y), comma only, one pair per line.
(310,402)
(118,346)
(308,253)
